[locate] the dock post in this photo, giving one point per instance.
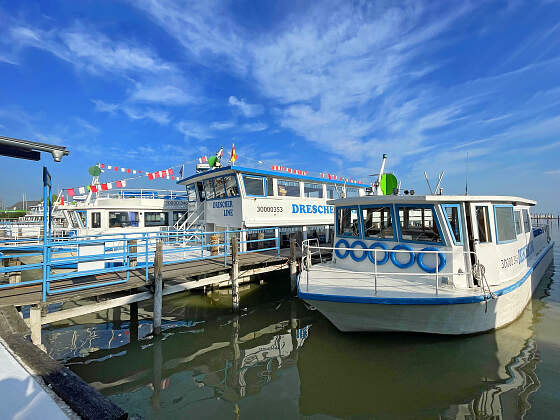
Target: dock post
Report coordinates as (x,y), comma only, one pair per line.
(293,266)
(158,287)
(35,325)
(234,274)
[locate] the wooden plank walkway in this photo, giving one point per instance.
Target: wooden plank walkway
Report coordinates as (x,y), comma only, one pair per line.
(173,274)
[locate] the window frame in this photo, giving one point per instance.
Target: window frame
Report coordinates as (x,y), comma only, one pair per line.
(525,212)
(360,227)
(313,183)
(262,178)
(498,241)
(519,220)
(424,206)
(128,212)
(92,219)
(204,183)
(298,182)
(157,212)
(373,206)
(459,214)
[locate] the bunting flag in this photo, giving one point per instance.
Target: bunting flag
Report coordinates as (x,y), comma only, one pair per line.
(93,188)
(203,159)
(289,170)
(118,168)
(70,192)
(82,190)
(338,178)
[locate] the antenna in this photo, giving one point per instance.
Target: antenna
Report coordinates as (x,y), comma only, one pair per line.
(439,190)
(467,176)
(428,182)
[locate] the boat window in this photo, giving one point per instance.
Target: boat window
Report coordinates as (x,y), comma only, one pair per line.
(505,225)
(352,192)
(219,187)
(526,221)
(123,219)
(332,192)
(230,183)
(288,188)
(96,220)
(517,217)
(209,188)
(269,186)
(178,215)
(378,222)
(191,192)
(452,214)
(254,185)
(418,224)
(347,222)
(483,224)
(312,190)
(153,218)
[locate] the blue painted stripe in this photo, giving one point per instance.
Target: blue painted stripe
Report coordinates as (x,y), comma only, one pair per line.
(423,301)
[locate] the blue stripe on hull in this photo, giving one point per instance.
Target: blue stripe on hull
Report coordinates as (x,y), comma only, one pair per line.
(424,301)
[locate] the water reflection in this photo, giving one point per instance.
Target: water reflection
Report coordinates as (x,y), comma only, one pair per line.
(284,359)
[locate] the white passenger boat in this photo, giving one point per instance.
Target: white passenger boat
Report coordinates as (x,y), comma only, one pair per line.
(384,276)
(235,197)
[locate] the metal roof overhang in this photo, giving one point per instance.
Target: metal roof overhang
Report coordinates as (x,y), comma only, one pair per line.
(30,150)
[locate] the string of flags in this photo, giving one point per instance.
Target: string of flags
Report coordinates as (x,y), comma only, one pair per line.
(163,174)
(289,170)
(338,178)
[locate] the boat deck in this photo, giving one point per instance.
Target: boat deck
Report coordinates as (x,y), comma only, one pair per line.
(327,279)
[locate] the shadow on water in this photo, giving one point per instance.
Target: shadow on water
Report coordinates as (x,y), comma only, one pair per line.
(280,358)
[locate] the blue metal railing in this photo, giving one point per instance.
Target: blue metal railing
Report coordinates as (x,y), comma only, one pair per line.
(92,255)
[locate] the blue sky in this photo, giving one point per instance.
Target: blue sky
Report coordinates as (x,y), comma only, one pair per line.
(320,86)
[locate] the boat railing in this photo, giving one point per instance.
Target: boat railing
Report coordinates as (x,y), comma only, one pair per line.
(308,250)
(54,261)
(144,193)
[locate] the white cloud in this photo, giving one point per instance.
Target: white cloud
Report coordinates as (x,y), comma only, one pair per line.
(133,112)
(254,127)
(248,110)
(222,125)
(192,129)
(163,94)
(553,172)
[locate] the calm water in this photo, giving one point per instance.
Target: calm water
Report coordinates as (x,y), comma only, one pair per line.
(281,359)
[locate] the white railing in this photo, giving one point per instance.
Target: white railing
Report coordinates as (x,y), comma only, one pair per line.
(307,251)
(192,218)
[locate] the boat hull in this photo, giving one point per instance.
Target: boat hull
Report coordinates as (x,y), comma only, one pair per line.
(452,319)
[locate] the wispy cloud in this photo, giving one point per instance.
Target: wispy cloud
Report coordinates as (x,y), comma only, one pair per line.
(133,112)
(254,127)
(222,125)
(248,110)
(194,130)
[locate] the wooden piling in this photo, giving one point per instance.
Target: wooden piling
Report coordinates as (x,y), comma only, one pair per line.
(35,325)
(293,266)
(158,287)
(133,249)
(234,274)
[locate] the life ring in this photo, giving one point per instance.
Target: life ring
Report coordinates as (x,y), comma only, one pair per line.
(441,260)
(344,244)
(396,262)
(364,252)
(371,254)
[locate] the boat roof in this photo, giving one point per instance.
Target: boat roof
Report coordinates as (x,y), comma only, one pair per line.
(278,174)
(379,199)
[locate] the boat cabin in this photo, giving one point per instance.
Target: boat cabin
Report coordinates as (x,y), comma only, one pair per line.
(235,197)
(127,211)
(493,231)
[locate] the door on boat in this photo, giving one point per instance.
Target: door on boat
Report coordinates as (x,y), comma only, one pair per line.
(483,243)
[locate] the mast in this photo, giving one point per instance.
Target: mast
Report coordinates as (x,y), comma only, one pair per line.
(378,183)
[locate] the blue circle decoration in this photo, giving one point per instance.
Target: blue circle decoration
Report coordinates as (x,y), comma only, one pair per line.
(441,260)
(372,258)
(342,243)
(396,262)
(364,252)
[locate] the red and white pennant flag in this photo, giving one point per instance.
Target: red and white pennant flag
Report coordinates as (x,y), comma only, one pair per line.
(117,169)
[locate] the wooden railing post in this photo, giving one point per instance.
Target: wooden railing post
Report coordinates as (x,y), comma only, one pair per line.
(234,274)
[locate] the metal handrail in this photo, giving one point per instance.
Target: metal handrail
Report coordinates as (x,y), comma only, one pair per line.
(119,249)
(376,274)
